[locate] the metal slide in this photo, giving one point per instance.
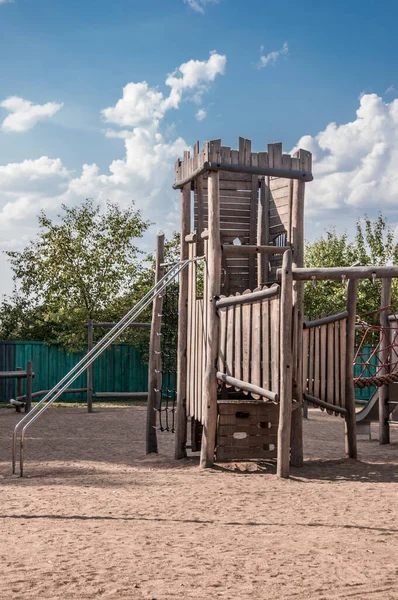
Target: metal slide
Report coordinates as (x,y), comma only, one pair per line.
(89,358)
(370,412)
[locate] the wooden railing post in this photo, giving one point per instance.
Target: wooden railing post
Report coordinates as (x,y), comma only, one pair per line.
(154,366)
(384,428)
(210,383)
(90,343)
(29,386)
(285,368)
(297,238)
(350,423)
(181,415)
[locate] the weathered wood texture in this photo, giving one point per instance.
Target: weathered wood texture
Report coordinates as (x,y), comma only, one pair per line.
(90,340)
(285,367)
(246,429)
(155,365)
(350,423)
(210,382)
(181,414)
(246,213)
(324,361)
(246,347)
(385,334)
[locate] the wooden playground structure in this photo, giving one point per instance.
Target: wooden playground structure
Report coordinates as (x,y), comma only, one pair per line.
(247,359)
(241,359)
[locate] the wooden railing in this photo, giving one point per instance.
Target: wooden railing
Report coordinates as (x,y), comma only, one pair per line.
(324,362)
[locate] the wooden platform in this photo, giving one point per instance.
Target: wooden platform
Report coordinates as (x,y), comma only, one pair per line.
(246,429)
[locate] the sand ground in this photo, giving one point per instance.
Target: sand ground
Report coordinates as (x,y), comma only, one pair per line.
(96,519)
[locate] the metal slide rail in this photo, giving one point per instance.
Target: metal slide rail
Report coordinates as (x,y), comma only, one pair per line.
(89,358)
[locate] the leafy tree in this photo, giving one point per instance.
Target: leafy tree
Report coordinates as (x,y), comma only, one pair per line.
(373,244)
(84,266)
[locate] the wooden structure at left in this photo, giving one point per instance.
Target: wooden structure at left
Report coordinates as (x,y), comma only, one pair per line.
(243,212)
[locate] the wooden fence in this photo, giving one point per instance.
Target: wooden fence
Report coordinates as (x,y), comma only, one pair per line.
(324,362)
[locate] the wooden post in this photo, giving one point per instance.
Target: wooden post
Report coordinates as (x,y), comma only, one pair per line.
(263,232)
(181,415)
(384,428)
(297,239)
(285,367)
(201,214)
(90,343)
(29,382)
(19,384)
(350,423)
(155,364)
(210,383)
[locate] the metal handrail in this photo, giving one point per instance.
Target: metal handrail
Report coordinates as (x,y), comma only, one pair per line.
(90,357)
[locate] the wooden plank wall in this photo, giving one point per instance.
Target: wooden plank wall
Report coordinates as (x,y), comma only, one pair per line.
(249,350)
(324,355)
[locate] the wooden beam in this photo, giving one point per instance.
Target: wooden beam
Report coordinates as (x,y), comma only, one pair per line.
(336,273)
(285,368)
(247,387)
(263,231)
(155,364)
(29,386)
(248,298)
(327,405)
(326,320)
(267,171)
(250,249)
(210,383)
(90,341)
(181,414)
(384,428)
(350,423)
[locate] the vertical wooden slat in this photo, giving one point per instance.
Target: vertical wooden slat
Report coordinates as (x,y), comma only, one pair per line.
(317,333)
(198,400)
(306,338)
(336,364)
(330,364)
(253,230)
(311,358)
(230,341)
(255,376)
(265,344)
(206,302)
(343,355)
(238,341)
(200,213)
(275,324)
(194,361)
(222,314)
(246,340)
(323,334)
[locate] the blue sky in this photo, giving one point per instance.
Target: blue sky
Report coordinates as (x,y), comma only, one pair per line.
(321,63)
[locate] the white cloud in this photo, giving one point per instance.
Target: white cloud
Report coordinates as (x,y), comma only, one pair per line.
(24,114)
(200,5)
(6,1)
(355,165)
(390,90)
(201,114)
(272,57)
(142,105)
(145,174)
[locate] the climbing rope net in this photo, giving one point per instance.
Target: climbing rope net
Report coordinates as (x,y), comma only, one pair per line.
(376,357)
(167,393)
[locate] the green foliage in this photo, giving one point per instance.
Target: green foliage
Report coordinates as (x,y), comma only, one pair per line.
(373,245)
(84,266)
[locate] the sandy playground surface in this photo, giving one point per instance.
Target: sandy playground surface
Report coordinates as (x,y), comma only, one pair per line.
(95,518)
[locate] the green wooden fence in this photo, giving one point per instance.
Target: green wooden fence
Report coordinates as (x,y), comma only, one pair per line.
(119,369)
